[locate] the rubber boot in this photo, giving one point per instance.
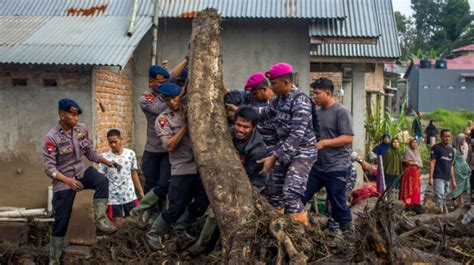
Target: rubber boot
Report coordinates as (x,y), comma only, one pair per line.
(146,202)
(300,217)
(280,211)
(348,231)
(183,224)
(205,237)
(154,237)
(102,222)
(55,249)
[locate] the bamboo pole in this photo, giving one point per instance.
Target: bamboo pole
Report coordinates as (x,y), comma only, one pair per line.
(20,213)
(133,18)
(154,33)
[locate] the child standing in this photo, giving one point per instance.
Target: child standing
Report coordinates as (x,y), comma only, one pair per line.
(122,182)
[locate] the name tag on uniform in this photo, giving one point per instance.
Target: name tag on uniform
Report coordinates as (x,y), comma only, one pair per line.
(65,149)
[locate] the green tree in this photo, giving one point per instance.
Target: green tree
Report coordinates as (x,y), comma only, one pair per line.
(427,15)
(406,34)
(456,18)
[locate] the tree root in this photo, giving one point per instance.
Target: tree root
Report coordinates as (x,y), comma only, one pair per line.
(277,229)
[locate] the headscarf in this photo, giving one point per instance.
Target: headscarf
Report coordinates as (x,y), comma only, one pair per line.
(392,160)
(380,149)
(412,155)
(461,145)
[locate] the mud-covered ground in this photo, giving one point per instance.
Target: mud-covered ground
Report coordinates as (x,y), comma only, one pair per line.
(128,245)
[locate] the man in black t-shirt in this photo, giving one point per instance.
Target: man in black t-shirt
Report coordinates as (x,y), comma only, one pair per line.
(441,168)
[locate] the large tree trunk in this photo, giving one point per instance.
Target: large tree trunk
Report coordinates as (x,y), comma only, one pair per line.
(226,183)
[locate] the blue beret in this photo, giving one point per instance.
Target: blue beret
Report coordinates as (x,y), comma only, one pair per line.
(158,70)
(69,105)
(169,89)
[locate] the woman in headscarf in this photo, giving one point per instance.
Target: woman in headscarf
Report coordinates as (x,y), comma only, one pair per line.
(410,187)
(431,132)
(462,170)
(392,164)
(381,148)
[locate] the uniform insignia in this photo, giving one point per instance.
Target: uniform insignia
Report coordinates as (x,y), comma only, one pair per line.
(50,147)
(73,110)
(149,97)
(162,123)
(84,143)
(79,133)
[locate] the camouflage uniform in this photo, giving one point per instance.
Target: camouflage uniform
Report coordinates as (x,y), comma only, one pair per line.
(295,151)
(266,127)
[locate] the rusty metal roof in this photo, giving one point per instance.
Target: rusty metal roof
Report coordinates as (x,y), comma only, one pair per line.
(83,32)
(69,39)
(361,21)
(178,8)
(256,8)
(387,45)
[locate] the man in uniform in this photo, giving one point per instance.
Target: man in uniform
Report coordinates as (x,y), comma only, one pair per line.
(259,95)
(155,162)
(64,147)
(294,154)
(333,168)
(185,183)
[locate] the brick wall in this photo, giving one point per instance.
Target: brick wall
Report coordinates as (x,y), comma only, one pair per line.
(374,80)
(335,77)
(35,75)
(113,101)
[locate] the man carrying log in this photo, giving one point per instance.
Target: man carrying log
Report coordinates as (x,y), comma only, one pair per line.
(259,95)
(185,183)
(251,147)
(294,154)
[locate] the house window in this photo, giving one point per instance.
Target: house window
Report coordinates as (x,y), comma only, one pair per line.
(19,82)
(450,87)
(50,82)
(463,87)
(426,87)
(438,87)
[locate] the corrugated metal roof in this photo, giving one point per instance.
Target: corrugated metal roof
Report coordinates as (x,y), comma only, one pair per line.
(256,8)
(180,8)
(361,21)
(387,45)
(69,39)
(73,7)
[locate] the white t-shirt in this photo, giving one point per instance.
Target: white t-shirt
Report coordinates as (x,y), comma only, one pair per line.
(121,188)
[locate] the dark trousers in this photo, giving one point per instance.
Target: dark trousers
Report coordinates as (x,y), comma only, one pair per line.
(157,171)
(63,200)
(335,184)
(185,191)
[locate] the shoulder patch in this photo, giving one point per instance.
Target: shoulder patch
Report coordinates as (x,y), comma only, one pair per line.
(50,146)
(149,97)
(162,123)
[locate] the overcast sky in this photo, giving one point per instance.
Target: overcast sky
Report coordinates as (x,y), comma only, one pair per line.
(404,6)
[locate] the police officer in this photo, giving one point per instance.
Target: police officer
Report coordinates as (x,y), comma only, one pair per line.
(187,197)
(63,150)
(155,161)
(293,156)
